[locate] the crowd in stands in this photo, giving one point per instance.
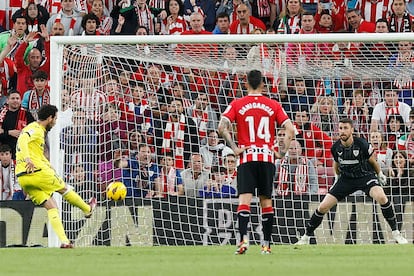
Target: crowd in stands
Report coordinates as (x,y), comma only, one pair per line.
(154,127)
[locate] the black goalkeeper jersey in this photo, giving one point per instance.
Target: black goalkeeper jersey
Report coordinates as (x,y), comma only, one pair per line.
(353,160)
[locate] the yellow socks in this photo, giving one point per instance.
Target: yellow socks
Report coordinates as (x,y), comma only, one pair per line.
(73,198)
(57,225)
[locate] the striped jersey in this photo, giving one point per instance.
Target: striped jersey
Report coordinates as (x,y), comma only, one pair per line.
(256,117)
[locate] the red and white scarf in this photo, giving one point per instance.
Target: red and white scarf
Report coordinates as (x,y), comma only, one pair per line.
(21,121)
(34,103)
(145,18)
(169,179)
(391,111)
(201,122)
(11,182)
(245,29)
(175,132)
(300,182)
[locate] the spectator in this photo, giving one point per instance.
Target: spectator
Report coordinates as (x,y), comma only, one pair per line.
(399,20)
(371,11)
(39,95)
(203,116)
(9,186)
(245,22)
(35,61)
(395,129)
(222,24)
(401,183)
(105,21)
(230,164)
(299,96)
(195,177)
(141,176)
(358,111)
(295,173)
(204,7)
(383,154)
(317,143)
(113,131)
(135,139)
(327,21)
(179,134)
(57,29)
(179,93)
(19,31)
(90,24)
(324,114)
(36,15)
(289,18)
(406,142)
(388,107)
(7,70)
(110,170)
(230,7)
(175,23)
(87,97)
(81,180)
(79,143)
(125,20)
(260,56)
(214,151)
(145,16)
(402,64)
(357,24)
(216,186)
(13,118)
(170,177)
(143,116)
(69,17)
(115,96)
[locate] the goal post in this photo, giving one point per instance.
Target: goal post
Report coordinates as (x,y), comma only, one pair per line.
(138,109)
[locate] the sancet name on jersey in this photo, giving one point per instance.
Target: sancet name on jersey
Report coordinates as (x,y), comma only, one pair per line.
(249,106)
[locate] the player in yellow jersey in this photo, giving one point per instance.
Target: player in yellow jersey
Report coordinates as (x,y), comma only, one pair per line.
(39,179)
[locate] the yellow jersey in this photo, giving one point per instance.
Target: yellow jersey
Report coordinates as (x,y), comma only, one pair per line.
(31,143)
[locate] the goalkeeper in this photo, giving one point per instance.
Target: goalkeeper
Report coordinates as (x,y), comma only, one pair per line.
(355,169)
(36,176)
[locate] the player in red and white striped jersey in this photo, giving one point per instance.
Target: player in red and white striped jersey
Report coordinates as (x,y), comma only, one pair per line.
(256,117)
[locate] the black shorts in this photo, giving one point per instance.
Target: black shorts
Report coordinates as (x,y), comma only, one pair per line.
(256,175)
(346,186)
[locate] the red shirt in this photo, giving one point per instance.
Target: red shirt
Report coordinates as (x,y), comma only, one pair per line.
(256,117)
(24,73)
(254,22)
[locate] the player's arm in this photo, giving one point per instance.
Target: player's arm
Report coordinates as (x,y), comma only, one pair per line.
(224,131)
(23,148)
(289,135)
(381,177)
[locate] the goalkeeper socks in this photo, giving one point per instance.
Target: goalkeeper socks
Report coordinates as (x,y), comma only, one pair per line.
(267,223)
(73,198)
(388,212)
(243,216)
(57,225)
(314,222)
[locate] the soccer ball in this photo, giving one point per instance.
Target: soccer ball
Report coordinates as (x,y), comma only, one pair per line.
(116,191)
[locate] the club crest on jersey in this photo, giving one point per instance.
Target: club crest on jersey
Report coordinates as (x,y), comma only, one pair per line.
(308,134)
(339,153)
(355,152)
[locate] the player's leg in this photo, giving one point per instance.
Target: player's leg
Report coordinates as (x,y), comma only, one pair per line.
(74,199)
(56,222)
(264,190)
(387,209)
(327,203)
(267,223)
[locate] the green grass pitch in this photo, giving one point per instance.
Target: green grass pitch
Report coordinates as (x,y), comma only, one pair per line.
(285,260)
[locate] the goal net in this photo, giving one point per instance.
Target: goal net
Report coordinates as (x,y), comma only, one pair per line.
(144,110)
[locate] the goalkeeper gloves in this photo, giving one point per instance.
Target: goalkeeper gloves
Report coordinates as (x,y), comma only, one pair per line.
(382,179)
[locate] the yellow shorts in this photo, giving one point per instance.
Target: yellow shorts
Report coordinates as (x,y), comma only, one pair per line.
(41,185)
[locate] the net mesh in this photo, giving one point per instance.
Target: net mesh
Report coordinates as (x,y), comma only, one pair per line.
(146,115)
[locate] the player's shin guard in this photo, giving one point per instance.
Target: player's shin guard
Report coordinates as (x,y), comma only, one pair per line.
(314,222)
(243,216)
(389,214)
(56,223)
(267,223)
(73,198)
